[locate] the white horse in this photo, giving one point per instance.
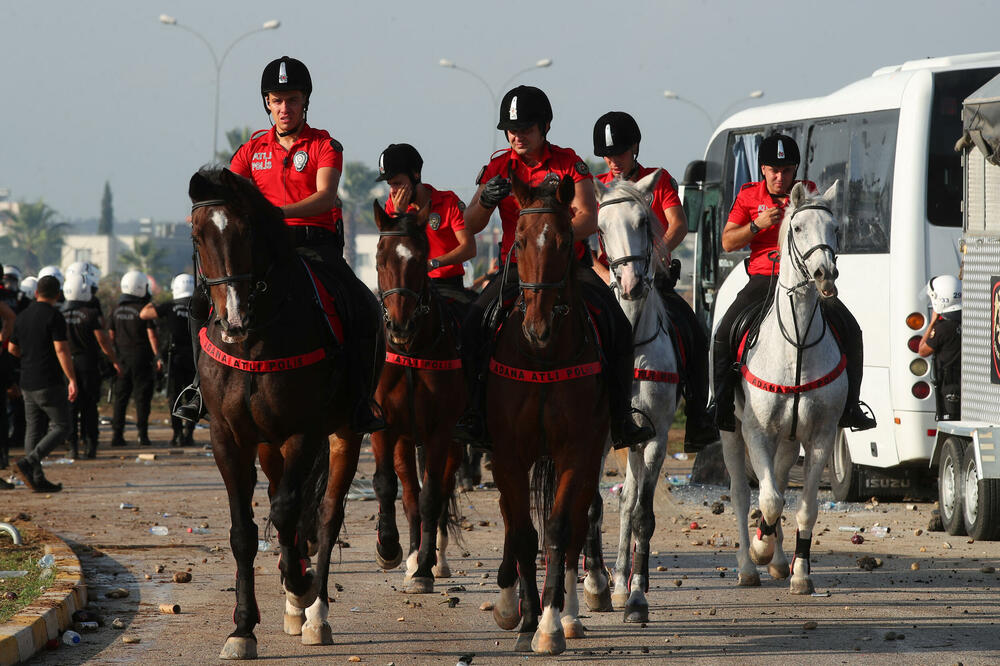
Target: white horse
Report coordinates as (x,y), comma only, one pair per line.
(793,391)
(627,231)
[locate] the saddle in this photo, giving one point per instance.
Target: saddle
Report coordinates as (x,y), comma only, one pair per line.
(329,299)
(743,335)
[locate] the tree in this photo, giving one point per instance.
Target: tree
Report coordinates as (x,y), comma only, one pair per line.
(36,235)
(236,138)
(145,257)
(106,224)
(357,190)
(596,166)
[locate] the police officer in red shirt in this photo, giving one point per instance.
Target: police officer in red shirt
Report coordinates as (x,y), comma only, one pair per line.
(450,242)
(754,220)
(297,168)
(616,139)
(525,118)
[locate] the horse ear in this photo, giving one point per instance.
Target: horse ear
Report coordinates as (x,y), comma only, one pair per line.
(648,183)
(830,196)
(798,195)
(520,189)
(600,190)
(566,191)
(382,218)
(199,188)
(424,214)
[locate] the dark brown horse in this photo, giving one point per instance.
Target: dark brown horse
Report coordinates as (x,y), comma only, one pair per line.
(548,408)
(422,393)
(271,377)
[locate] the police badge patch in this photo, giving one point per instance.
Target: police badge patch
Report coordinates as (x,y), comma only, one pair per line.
(461,206)
(299,160)
(434,221)
(581,168)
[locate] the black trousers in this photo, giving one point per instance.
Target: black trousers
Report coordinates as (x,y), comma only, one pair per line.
(180,373)
(83,417)
(695,363)
(137,377)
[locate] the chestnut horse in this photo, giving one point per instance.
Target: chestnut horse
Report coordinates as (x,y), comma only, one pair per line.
(547,407)
(422,394)
(273,382)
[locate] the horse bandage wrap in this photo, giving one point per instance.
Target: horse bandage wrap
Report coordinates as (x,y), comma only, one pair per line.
(271,365)
(802,547)
(763,529)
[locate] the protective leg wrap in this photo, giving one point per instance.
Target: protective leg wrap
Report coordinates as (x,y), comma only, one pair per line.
(763,529)
(802,547)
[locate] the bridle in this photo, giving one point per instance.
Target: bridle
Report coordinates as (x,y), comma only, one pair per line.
(422,298)
(560,308)
(646,256)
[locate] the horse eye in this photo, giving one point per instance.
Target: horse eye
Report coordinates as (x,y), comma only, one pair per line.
(796,229)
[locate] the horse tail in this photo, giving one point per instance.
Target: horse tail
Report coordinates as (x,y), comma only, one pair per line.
(451,519)
(313,491)
(543,487)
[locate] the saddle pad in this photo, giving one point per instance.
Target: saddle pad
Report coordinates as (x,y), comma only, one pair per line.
(327,303)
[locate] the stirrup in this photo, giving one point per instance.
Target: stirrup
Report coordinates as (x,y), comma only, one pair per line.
(858,417)
(189,410)
(631,433)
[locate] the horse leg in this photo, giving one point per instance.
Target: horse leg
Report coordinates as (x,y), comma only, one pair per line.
(653,454)
(579,534)
(596,586)
(345,448)
(518,598)
(405,460)
(431,505)
(739,489)
(771,502)
(627,501)
(236,464)
(441,569)
(785,457)
(299,452)
(388,553)
(817,455)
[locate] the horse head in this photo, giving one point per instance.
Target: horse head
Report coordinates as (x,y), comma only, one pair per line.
(237,234)
(401,261)
(544,245)
(809,238)
(628,234)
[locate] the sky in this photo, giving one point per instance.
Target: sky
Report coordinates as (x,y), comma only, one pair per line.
(102,91)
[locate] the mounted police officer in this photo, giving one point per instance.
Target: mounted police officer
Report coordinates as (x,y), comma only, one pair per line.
(754,220)
(180,356)
(525,119)
(616,140)
(297,168)
(137,349)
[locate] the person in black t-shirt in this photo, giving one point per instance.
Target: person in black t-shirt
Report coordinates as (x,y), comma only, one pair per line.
(180,359)
(943,338)
(8,364)
(88,342)
(39,339)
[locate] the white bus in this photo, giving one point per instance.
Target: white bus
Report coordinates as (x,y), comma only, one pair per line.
(890,139)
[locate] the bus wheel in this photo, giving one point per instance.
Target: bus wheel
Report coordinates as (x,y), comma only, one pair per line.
(847,480)
(981,513)
(951,485)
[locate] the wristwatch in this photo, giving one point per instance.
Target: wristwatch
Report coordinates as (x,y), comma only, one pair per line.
(754,229)
(434,264)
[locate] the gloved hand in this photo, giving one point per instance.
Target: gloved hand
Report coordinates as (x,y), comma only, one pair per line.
(494,191)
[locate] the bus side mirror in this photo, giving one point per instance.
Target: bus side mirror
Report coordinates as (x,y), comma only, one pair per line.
(692,195)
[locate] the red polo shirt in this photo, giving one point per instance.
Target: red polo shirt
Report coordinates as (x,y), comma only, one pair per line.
(289,176)
(664,197)
(446,218)
(560,161)
(753,200)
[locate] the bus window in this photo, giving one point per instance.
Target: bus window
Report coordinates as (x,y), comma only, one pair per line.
(744,163)
(868,217)
(826,156)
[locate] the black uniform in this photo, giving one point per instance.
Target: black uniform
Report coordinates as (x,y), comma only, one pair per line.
(82,319)
(135,356)
(8,377)
(945,339)
(179,361)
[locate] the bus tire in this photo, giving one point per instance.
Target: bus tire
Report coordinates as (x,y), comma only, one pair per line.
(981,510)
(951,485)
(847,480)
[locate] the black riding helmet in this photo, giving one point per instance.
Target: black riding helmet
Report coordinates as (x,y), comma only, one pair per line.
(285,74)
(523,107)
(614,133)
(778,150)
(400,158)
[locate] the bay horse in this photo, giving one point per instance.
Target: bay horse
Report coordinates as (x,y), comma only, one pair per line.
(627,234)
(422,393)
(274,386)
(792,392)
(547,407)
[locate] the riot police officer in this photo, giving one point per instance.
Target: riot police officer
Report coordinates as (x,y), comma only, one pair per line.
(137,347)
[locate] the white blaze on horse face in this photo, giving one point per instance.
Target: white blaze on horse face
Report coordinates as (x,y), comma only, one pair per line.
(627,278)
(404,252)
(232,306)
(220,219)
(540,241)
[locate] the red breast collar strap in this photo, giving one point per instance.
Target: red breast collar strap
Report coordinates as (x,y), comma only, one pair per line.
(272,365)
(645,375)
(544,376)
(757,382)
(424,363)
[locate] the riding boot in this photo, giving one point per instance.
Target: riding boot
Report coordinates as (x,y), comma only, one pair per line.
(854,416)
(471,426)
(625,432)
(700,429)
(189,406)
(724,384)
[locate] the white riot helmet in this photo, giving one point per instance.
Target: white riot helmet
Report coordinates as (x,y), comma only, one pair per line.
(28,285)
(54,272)
(12,277)
(88,270)
(945,292)
(76,287)
(135,283)
(182,285)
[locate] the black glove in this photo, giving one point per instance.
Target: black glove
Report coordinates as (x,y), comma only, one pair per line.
(494,191)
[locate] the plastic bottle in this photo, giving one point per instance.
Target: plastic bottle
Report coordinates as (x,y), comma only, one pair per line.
(159,530)
(197,530)
(126,505)
(46,561)
(87,626)
(263,546)
(880,531)
(71,638)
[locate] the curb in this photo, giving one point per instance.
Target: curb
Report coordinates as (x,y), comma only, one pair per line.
(27,632)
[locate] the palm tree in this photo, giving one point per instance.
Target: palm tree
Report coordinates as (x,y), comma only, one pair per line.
(145,257)
(357,189)
(33,231)
(236,138)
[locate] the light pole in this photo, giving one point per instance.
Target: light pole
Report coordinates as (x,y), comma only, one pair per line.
(269,25)
(544,62)
(670,94)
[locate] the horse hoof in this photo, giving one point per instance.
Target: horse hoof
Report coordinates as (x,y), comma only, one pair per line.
(293,624)
(748,580)
(636,613)
(239,648)
(778,571)
(391,562)
(505,621)
(802,586)
(441,571)
(554,643)
(317,633)
(420,585)
(760,552)
(618,600)
(523,643)
(572,627)
(600,602)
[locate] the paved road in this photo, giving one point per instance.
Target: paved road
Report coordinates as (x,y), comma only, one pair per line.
(947,610)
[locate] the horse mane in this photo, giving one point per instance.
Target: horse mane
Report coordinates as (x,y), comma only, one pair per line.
(618,183)
(545,192)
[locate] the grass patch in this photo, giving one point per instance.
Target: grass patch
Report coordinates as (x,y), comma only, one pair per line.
(26,588)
